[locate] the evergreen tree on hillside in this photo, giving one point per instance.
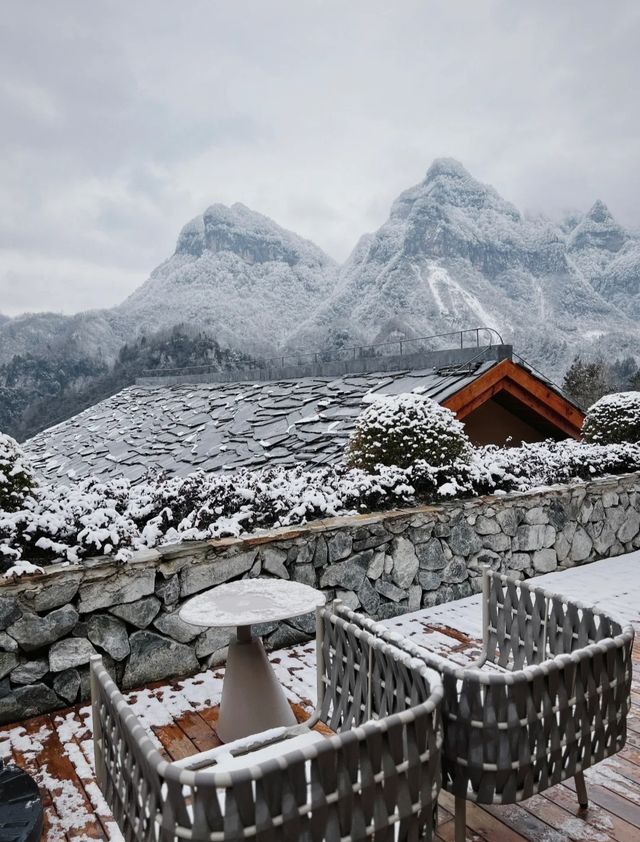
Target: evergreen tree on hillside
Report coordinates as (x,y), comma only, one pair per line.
(586,382)
(624,372)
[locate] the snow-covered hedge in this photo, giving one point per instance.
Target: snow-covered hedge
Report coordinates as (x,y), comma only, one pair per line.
(614,418)
(548,463)
(60,522)
(401,429)
(17,480)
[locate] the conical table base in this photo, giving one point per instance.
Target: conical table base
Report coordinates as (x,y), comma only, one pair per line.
(252,698)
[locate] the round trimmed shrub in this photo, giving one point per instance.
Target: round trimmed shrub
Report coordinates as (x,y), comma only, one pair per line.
(17,479)
(613,419)
(402,429)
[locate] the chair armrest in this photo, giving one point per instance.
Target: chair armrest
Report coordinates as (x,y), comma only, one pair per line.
(250,751)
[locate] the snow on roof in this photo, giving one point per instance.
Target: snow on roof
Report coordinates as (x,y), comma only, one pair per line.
(224,426)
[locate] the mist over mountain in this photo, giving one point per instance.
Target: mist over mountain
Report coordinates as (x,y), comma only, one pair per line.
(609,256)
(94,334)
(38,392)
(453,254)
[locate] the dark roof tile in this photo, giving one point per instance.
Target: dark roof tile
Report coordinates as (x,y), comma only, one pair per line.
(222,426)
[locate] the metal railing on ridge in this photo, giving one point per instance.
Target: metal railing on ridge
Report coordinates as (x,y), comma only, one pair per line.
(301,358)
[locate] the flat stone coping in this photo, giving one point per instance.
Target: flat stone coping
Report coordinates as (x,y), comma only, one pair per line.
(250,601)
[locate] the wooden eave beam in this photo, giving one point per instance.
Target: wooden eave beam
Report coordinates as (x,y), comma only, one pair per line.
(529,390)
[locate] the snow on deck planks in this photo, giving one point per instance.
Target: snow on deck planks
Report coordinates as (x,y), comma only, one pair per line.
(182,715)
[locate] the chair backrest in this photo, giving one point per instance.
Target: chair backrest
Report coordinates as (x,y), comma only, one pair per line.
(525,624)
(379,772)
(364,675)
(559,705)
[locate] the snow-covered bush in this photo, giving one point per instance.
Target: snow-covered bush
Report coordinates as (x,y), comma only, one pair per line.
(547,463)
(614,418)
(114,518)
(17,480)
(401,430)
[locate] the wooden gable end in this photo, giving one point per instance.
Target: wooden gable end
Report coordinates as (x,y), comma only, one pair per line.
(535,398)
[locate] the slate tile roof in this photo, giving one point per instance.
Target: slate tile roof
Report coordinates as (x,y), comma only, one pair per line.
(224,426)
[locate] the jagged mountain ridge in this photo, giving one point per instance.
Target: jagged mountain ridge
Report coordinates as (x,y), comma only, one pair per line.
(609,257)
(453,254)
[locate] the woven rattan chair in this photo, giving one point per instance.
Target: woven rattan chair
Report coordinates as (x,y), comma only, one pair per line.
(547,699)
(377,777)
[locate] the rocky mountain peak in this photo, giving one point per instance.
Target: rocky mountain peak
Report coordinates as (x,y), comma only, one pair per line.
(452,254)
(455,254)
(239,275)
(449,190)
(247,234)
(598,230)
(452,214)
(599,212)
(191,237)
(448,168)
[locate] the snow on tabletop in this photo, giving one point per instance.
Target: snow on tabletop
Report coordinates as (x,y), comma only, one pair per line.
(161,706)
(250,601)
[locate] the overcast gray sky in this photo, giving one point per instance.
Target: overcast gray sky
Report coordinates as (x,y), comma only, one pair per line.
(120,121)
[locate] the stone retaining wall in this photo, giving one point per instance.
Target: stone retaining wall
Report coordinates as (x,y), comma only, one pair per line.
(384,564)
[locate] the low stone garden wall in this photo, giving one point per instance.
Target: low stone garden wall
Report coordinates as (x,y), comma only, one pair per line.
(384,564)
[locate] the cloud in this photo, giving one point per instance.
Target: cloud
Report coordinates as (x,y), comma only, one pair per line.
(122,121)
(31,284)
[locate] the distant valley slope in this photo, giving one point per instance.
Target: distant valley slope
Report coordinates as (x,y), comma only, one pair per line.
(453,254)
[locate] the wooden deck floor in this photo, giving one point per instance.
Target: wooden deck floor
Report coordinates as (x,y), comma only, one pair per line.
(57,749)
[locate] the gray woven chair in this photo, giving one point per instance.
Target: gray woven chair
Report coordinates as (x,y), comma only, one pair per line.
(551,702)
(377,777)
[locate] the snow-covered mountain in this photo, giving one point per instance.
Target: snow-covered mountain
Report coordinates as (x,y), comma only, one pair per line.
(94,333)
(246,280)
(609,256)
(453,254)
(237,274)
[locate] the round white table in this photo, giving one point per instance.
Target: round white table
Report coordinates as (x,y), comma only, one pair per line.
(252,698)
